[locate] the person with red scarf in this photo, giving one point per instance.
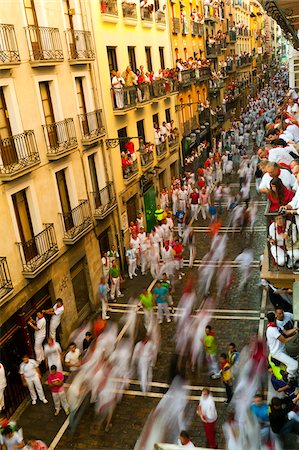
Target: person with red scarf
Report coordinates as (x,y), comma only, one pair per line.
(279,231)
(278,195)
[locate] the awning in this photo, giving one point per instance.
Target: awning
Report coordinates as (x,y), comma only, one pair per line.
(286,14)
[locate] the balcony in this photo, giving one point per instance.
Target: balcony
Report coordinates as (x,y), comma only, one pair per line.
(146,156)
(104,201)
(211,14)
(176,25)
(5,280)
(173,142)
(232,35)
(160,20)
(129,171)
(171,86)
(76,222)
(124,99)
(231,67)
(44,45)
(60,138)
(9,52)
(187,78)
(80,46)
(202,74)
(185,27)
(37,253)
(195,28)
(146,15)
(186,128)
(161,150)
(92,127)
(129,13)
(194,123)
(215,86)
(158,89)
(18,154)
(144,94)
(109,10)
(213,50)
(243,61)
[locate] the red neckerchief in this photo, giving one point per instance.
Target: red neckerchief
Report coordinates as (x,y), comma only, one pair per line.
(271,325)
(280,229)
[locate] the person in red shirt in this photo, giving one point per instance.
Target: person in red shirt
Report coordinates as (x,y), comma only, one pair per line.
(207,163)
(194,203)
(178,257)
(278,195)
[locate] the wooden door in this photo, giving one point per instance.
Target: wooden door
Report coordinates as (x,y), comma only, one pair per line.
(8,151)
(34,31)
(64,200)
(82,106)
(48,113)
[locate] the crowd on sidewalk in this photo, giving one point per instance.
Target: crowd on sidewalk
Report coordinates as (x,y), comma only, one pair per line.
(261,145)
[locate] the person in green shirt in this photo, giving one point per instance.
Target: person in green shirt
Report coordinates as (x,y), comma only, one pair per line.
(210,346)
(114,274)
(146,301)
(166,283)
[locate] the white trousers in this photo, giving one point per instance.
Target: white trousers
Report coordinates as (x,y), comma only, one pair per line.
(143,262)
(35,384)
(115,287)
(132,267)
(38,349)
(119,98)
(2,405)
(53,328)
(180,229)
(204,209)
(104,309)
(163,308)
(59,398)
(148,318)
(194,211)
(291,363)
(212,364)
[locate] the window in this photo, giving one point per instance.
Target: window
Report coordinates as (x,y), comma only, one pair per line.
(140,129)
(44,88)
(122,133)
(156,118)
(30,12)
(64,199)
(8,151)
(82,105)
(132,58)
(162,60)
(94,179)
(112,59)
(148,55)
(167,115)
(21,208)
(157,4)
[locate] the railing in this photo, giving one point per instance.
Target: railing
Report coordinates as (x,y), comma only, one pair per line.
(231,66)
(76,220)
(143,92)
(44,43)
(109,7)
(161,149)
(91,125)
(60,136)
(104,199)
(158,89)
(171,85)
(187,77)
(202,74)
(187,128)
(124,97)
(5,280)
(195,28)
(129,10)
(194,123)
(176,25)
(210,13)
(173,141)
(80,45)
(129,170)
(35,252)
(9,52)
(213,49)
(146,156)
(283,252)
(146,14)
(18,152)
(232,36)
(185,27)
(244,60)
(216,85)
(160,17)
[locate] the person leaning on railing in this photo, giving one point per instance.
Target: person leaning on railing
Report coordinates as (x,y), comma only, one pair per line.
(284,242)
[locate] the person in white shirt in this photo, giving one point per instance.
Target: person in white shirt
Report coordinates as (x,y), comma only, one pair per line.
(273,170)
(39,325)
(276,343)
(56,312)
(284,320)
(73,357)
(279,231)
(184,440)
(31,377)
(131,260)
(106,267)
(12,440)
(293,130)
(117,85)
(3,384)
(208,414)
(53,354)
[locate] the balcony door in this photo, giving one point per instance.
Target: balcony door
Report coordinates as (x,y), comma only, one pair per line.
(64,200)
(24,223)
(94,181)
(82,105)
(8,151)
(48,111)
(34,32)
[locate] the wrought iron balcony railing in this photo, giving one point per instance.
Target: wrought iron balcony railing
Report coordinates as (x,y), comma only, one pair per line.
(129,10)
(176,25)
(17,154)
(109,7)
(187,128)
(202,74)
(173,141)
(146,14)
(232,36)
(124,98)
(9,52)
(104,201)
(76,222)
(129,170)
(213,50)
(146,157)
(195,28)
(38,251)
(92,126)
(44,43)
(158,89)
(161,149)
(160,18)
(5,280)
(60,137)
(186,77)
(80,45)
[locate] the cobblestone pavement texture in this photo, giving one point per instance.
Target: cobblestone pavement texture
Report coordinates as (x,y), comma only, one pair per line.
(131,413)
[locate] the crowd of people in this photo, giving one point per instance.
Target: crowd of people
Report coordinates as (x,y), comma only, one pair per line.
(261,145)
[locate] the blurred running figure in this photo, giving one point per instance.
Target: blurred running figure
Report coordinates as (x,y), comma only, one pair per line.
(245,260)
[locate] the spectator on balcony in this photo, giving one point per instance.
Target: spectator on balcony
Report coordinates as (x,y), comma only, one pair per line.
(130,79)
(283,237)
(146,8)
(127,163)
(273,170)
(160,13)
(157,134)
(278,194)
(117,85)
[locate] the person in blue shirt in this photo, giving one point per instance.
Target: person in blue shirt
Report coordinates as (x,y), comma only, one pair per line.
(260,410)
(161,297)
(180,216)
